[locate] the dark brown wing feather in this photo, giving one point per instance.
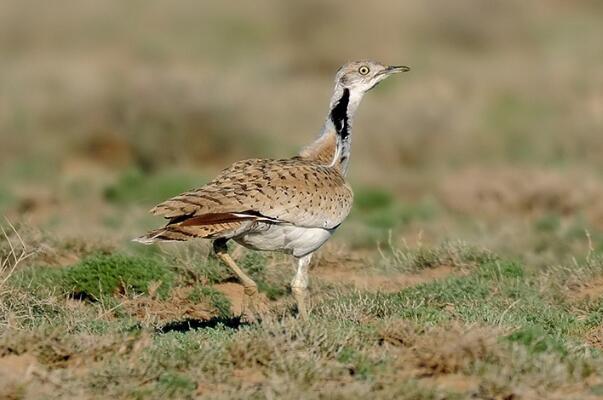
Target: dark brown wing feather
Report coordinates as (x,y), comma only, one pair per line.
(203,226)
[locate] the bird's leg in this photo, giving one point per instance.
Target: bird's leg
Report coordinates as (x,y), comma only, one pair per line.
(250,288)
(299,285)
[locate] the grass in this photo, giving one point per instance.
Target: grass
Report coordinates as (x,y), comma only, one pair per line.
(192,266)
(462,335)
(457,255)
(101,275)
(497,294)
(215,298)
(271,285)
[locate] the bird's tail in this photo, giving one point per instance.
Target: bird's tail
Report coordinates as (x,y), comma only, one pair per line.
(209,226)
(159,235)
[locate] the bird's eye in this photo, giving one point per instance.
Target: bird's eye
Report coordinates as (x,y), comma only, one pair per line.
(363,70)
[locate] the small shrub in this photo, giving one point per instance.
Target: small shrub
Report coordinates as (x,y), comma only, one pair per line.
(214,271)
(273,292)
(102,275)
(357,362)
(213,297)
(254,263)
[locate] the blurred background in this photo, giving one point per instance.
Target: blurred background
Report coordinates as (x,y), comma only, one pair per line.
(495,137)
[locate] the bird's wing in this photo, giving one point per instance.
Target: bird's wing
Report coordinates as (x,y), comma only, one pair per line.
(294,191)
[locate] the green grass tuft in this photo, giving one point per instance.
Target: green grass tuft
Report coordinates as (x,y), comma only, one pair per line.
(212,297)
(451,254)
(537,340)
(357,363)
(40,281)
(172,384)
(102,275)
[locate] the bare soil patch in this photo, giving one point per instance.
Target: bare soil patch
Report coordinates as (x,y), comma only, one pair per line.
(595,337)
(15,372)
(514,191)
(587,290)
(177,306)
(234,292)
(457,383)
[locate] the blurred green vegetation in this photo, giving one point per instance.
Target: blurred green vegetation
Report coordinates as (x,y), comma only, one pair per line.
(377,212)
(134,186)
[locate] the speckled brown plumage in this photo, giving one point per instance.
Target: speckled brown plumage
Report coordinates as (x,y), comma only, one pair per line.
(298,191)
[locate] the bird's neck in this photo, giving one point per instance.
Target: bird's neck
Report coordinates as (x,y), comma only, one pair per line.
(333,146)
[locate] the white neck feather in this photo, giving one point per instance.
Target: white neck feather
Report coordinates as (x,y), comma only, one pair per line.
(338,123)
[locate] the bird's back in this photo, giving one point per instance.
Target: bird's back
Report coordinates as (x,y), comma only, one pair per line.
(296,191)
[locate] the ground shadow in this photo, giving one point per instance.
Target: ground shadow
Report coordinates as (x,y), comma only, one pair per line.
(194,324)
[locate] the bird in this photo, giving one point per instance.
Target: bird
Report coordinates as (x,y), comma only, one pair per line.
(291,205)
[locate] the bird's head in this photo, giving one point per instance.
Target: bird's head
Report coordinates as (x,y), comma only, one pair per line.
(362,76)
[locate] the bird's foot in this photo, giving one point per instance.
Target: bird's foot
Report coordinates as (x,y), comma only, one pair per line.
(255,306)
(301,296)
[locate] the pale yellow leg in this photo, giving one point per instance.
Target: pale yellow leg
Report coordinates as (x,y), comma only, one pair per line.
(300,295)
(251,302)
(299,285)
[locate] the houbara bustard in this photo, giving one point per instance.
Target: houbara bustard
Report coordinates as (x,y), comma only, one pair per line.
(291,205)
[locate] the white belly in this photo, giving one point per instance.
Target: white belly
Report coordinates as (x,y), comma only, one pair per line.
(291,239)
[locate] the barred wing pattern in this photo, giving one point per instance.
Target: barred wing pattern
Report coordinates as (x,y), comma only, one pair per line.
(293,191)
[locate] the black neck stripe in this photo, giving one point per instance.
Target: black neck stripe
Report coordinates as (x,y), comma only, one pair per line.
(339,114)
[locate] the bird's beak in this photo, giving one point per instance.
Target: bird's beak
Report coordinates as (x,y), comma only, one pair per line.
(394,69)
(387,71)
